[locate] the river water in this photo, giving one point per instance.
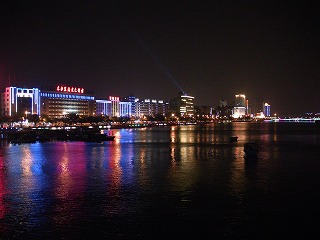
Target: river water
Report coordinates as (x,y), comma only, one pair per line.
(165,183)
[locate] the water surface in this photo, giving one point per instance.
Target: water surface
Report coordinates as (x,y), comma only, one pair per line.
(165,182)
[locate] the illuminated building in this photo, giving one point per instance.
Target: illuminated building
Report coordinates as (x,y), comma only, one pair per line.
(125,109)
(132,99)
(143,107)
(247,107)
(113,107)
(240,100)
(239,112)
(65,100)
(20,102)
(186,106)
(241,106)
(266,109)
(149,107)
(182,105)
(103,107)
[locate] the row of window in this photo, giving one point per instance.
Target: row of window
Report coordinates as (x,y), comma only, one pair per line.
(70,96)
(59,103)
(19,90)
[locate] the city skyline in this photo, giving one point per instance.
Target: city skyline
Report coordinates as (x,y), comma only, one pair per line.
(268,51)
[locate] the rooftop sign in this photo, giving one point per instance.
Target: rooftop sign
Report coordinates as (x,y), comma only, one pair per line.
(61,88)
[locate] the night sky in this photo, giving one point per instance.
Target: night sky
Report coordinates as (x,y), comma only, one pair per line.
(267,50)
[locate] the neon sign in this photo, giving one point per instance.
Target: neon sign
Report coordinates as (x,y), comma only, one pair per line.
(114,98)
(69,89)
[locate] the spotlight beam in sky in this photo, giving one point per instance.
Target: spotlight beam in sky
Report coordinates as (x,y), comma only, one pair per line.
(147,49)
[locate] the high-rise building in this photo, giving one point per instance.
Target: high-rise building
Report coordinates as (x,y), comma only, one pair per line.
(182,105)
(240,100)
(186,105)
(241,105)
(266,110)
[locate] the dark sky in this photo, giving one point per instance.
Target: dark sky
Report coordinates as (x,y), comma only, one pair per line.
(267,50)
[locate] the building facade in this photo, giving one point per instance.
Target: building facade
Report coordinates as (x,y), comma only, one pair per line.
(266,110)
(67,100)
(16,101)
(186,106)
(103,107)
(147,107)
(125,109)
(132,99)
(114,107)
(241,106)
(240,100)
(182,105)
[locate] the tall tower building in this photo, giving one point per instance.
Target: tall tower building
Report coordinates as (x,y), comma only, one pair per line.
(240,108)
(182,105)
(240,100)
(266,109)
(186,105)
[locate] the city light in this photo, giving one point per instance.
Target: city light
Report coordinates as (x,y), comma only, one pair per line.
(69,89)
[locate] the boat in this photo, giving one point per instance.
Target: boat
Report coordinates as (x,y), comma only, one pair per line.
(233,139)
(251,149)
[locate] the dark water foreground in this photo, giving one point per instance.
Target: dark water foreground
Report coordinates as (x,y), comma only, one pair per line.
(165,183)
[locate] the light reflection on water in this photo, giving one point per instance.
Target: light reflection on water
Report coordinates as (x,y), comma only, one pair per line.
(190,179)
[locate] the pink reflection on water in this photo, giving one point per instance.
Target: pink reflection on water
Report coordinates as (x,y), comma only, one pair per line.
(2,189)
(114,178)
(70,181)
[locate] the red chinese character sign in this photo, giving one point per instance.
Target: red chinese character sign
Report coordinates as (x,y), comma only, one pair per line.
(61,88)
(116,99)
